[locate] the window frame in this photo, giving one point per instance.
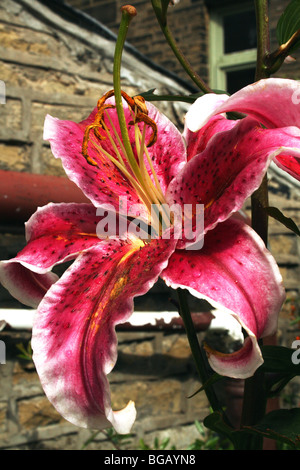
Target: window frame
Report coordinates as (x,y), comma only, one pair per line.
(219,62)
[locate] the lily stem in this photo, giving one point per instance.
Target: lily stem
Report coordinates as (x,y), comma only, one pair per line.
(255,399)
(128,13)
(161,17)
(196,350)
(263,38)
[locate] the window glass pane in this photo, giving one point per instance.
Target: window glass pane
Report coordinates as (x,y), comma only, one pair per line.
(239,31)
(238,79)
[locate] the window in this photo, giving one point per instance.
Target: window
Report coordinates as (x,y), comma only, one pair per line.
(232,47)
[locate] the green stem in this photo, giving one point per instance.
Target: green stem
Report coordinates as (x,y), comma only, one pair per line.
(259,216)
(263,38)
(128,13)
(255,399)
(196,350)
(161,17)
(260,198)
(276,58)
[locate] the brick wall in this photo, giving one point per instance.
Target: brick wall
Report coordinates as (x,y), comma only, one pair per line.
(189,23)
(188,20)
(163,378)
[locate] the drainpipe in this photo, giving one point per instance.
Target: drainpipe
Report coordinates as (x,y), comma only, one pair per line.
(22,193)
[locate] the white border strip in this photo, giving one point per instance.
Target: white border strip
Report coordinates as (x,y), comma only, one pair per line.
(19,319)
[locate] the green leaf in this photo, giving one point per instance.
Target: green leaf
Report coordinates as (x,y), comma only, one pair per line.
(151,96)
(280,217)
(199,428)
(215,422)
(282,364)
(214,378)
(90,439)
(26,353)
(289,23)
(279,359)
(282,425)
(143,445)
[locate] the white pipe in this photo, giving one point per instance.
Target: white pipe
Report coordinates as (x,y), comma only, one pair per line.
(21,319)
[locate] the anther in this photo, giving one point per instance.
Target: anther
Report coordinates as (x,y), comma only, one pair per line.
(141,117)
(139,108)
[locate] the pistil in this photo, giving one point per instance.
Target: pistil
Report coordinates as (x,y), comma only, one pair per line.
(137,169)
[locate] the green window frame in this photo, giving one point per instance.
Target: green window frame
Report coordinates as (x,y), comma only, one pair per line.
(220,63)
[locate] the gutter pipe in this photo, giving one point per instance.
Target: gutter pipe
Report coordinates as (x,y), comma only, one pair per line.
(22,193)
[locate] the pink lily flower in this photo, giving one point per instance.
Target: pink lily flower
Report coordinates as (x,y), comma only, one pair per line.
(273,102)
(73,338)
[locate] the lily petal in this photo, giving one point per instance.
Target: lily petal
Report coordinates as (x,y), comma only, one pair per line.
(231,168)
(56,233)
(202,109)
(26,286)
(197,141)
(237,274)
(274,102)
(74,341)
(289,163)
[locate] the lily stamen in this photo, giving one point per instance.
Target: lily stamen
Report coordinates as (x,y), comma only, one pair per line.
(120,154)
(133,167)
(135,184)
